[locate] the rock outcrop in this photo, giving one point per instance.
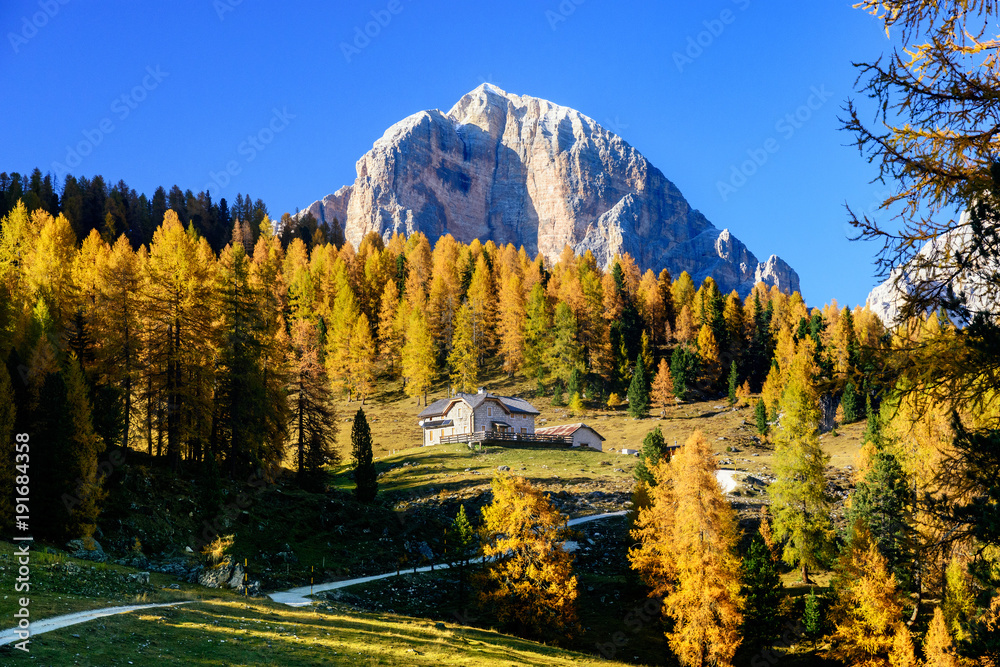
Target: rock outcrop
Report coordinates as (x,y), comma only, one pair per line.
(935,269)
(522,170)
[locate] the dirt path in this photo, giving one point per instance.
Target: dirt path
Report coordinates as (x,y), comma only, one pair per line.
(298,597)
(9,635)
(295,597)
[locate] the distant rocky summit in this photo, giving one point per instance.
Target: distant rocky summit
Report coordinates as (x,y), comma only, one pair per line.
(522,170)
(936,267)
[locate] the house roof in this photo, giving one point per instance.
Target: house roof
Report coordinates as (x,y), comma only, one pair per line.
(515,405)
(566,429)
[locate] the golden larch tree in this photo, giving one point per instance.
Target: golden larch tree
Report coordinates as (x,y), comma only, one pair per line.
(868,604)
(362,359)
(529,582)
(687,554)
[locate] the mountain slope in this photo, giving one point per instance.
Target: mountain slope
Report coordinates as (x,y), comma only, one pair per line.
(522,170)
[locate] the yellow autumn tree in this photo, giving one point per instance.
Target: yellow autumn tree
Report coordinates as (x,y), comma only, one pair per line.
(362,359)
(708,353)
(798,495)
(462,359)
(418,356)
(511,325)
(687,555)
(868,604)
(390,338)
(662,391)
(529,582)
(939,651)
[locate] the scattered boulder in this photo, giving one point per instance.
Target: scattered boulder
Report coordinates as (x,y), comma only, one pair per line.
(503,468)
(87,549)
(139,577)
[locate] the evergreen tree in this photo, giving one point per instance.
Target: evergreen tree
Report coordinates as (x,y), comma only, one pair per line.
(638,391)
(654,450)
(760,416)
(734,382)
(812,618)
(462,539)
(312,426)
(683,367)
(849,403)
(365,475)
(881,502)
(764,596)
(557,393)
(575,382)
(540,383)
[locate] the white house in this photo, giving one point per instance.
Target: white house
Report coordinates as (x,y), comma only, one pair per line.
(583,435)
(484,412)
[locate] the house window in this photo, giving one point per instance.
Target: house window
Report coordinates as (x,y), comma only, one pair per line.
(489,412)
(524,430)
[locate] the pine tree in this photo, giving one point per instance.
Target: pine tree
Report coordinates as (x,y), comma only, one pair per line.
(760,416)
(849,403)
(683,367)
(734,382)
(764,596)
(638,392)
(557,393)
(463,359)
(812,618)
(365,475)
(529,582)
(312,426)
(799,500)
(462,540)
(662,390)
(881,501)
(575,385)
(687,554)
(654,450)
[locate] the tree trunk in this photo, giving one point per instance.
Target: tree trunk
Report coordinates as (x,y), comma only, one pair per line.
(805,574)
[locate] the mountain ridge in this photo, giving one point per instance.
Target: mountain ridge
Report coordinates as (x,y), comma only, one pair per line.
(523,170)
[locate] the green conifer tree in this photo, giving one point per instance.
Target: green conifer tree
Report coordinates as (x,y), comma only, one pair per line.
(654,449)
(638,391)
(734,382)
(365,476)
(764,595)
(760,415)
(849,403)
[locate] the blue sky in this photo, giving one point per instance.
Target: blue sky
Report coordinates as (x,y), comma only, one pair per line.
(165,93)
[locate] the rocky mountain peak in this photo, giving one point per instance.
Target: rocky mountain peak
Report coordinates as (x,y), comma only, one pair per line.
(522,170)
